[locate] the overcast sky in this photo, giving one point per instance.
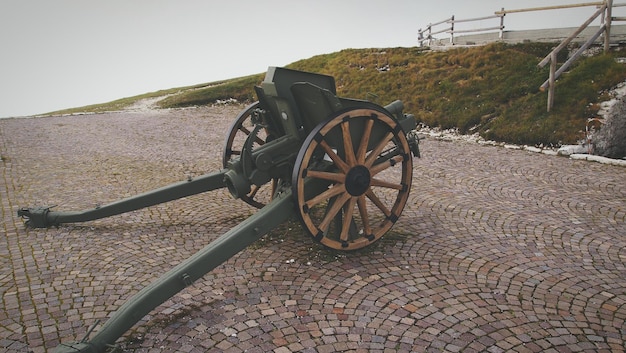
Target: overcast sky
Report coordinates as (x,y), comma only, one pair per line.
(68,53)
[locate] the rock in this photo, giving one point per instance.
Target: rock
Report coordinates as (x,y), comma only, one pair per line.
(610,139)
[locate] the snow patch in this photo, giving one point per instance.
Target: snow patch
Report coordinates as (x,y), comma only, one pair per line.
(617,93)
(577,152)
(599,159)
(569,150)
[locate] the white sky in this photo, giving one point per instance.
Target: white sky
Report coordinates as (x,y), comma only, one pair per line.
(68,53)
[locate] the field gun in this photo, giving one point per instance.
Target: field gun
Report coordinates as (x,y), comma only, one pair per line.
(342,166)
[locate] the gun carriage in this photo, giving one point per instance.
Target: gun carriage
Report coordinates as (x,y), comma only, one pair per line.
(342,166)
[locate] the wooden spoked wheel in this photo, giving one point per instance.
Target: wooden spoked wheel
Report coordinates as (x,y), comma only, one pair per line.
(239,131)
(352,178)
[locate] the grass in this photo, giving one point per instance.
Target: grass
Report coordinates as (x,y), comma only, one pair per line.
(492,90)
(240,89)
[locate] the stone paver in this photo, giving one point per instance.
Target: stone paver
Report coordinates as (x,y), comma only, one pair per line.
(497,250)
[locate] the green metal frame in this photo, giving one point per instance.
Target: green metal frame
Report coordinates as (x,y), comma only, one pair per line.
(44,217)
(183,275)
(292,102)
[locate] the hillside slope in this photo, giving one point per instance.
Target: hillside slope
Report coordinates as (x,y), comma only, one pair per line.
(492,90)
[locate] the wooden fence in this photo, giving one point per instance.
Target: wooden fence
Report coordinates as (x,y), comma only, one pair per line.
(604,11)
(426,35)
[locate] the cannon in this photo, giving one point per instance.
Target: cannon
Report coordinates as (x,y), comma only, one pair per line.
(342,166)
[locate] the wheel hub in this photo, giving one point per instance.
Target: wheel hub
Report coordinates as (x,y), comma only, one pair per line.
(358,180)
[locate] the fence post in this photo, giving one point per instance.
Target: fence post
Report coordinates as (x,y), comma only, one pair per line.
(452,30)
(502,24)
(607,25)
(430,37)
(551,80)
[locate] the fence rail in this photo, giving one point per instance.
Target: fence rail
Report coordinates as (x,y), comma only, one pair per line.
(606,11)
(427,34)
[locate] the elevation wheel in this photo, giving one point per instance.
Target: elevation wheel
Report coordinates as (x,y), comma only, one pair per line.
(352,178)
(239,131)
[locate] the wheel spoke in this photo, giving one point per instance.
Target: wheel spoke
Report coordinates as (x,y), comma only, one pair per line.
(244,130)
(363,211)
(333,191)
(387,164)
(238,128)
(347,143)
(347,219)
(274,186)
(255,189)
(336,177)
(334,157)
(332,211)
(377,151)
(381,206)
(257,139)
(385,184)
(365,140)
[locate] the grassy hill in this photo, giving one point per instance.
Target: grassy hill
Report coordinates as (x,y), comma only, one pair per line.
(492,90)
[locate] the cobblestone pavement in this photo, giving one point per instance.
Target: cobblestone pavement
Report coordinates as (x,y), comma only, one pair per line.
(497,250)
